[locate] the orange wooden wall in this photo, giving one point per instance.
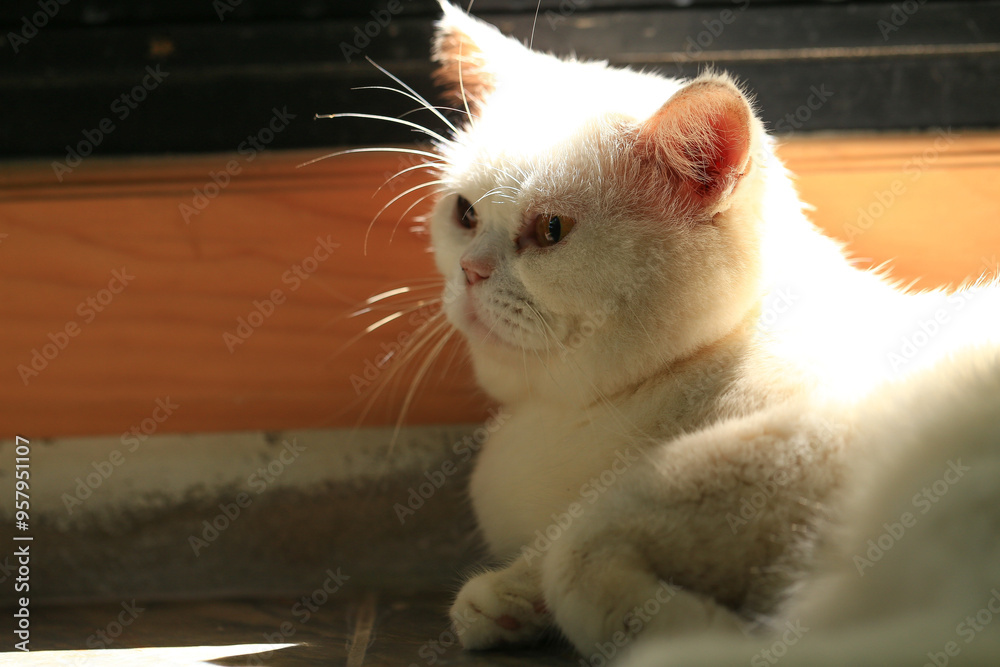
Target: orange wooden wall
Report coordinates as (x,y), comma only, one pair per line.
(163,335)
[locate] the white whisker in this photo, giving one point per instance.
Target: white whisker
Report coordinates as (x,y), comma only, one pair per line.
(388,294)
(534,24)
(410,208)
(382,322)
(440,108)
(488,193)
(388,119)
(393,201)
(374,149)
(421,372)
(422,165)
(424,106)
(415,94)
(421,337)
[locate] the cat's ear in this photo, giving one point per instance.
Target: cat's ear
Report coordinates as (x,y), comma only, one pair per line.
(469,54)
(701,137)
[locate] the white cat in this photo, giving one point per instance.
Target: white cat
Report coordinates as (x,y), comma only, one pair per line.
(717,422)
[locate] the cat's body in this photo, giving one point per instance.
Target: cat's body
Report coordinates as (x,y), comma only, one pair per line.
(699,382)
(910,574)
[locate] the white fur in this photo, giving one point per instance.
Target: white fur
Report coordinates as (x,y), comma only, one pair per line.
(661,370)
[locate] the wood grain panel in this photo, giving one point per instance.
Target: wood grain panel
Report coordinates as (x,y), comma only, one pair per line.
(163,334)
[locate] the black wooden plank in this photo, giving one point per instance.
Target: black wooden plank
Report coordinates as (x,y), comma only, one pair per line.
(223,80)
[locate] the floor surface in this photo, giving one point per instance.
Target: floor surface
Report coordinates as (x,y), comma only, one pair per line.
(371,629)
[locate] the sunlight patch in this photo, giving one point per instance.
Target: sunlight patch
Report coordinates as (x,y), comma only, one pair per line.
(179,656)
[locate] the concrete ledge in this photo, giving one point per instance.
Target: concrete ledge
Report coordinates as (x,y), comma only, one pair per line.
(246,514)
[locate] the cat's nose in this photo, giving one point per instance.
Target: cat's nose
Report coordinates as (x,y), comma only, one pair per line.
(475,270)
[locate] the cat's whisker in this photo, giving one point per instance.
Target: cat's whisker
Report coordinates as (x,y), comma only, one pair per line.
(547,331)
(421,372)
(410,208)
(388,294)
(420,338)
(419,98)
(488,193)
(523,174)
(534,24)
(416,341)
(388,119)
(424,105)
(382,322)
(372,149)
(440,108)
(418,303)
(507,174)
(455,351)
(409,308)
(461,81)
(393,201)
(423,165)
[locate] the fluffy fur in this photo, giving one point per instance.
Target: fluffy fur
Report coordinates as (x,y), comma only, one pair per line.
(712,410)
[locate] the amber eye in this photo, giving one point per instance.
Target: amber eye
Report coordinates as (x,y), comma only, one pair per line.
(465,214)
(551,229)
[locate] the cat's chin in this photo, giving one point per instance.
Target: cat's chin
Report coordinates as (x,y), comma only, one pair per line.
(479,334)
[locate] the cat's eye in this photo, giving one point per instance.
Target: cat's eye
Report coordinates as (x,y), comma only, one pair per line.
(551,229)
(465,214)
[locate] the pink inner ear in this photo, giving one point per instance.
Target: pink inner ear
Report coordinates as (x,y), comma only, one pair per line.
(728,144)
(701,138)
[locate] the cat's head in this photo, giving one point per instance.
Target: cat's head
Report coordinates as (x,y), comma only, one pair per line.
(596,223)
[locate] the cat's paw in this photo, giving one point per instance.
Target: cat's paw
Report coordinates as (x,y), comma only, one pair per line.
(502,607)
(605,595)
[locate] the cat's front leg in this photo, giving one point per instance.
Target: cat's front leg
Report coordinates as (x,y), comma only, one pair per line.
(502,606)
(606,593)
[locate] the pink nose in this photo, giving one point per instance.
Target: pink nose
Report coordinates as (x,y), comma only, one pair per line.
(475,270)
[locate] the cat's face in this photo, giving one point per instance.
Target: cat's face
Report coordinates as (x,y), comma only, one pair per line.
(592,227)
